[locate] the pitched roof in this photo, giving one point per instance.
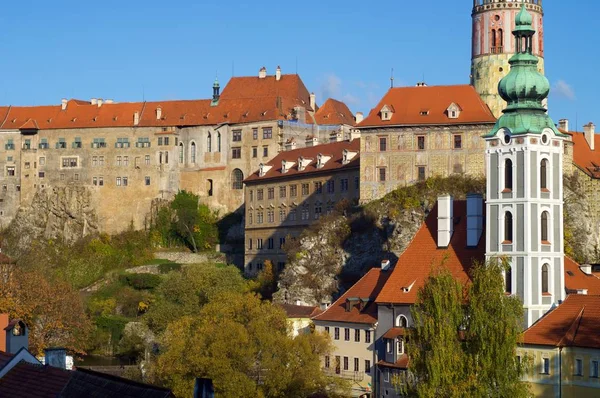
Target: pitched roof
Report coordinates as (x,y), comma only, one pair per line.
(334,112)
(288,86)
(26,380)
(402,362)
(5,358)
(409,103)
(367,287)
(300,311)
(576,279)
(583,156)
(574,323)
(334,149)
(422,256)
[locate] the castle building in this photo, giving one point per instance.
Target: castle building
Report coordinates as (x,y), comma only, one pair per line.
(493,45)
(524,157)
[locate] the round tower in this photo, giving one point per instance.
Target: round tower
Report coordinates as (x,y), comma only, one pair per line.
(493,44)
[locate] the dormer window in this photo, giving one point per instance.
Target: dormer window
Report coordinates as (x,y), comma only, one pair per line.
(347,156)
(453,111)
(424,112)
(303,162)
(322,160)
(263,169)
(386,112)
(286,165)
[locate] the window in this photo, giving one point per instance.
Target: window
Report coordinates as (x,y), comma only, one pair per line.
(578,367)
(42,174)
(209,143)
(147,160)
(267,133)
(100,160)
(401,321)
(118,182)
(27,165)
(259,194)
(421,143)
(218,142)
(254,152)
(43,143)
(61,144)
(259,243)
(118,160)
(181,153)
(265,151)
(293,190)
(160,141)
(544,174)
(259,217)
(251,195)
(270,217)
(9,144)
(594,369)
(281,242)
(293,215)
(344,184)
(367,336)
(125,160)
(304,189)
(545,279)
(147,180)
(382,144)
(121,143)
(458,141)
(508,280)
(42,161)
(544,227)
(386,375)
(508,227)
(69,162)
(357,335)
(330,186)
(193,152)
(327,329)
(508,175)
(236,135)
(237,178)
(282,191)
(381,174)
(271,193)
(318,187)
(336,333)
(142,142)
(367,366)
(326,361)
(389,346)
(356,361)
(98,143)
(337,364)
(95,180)
(305,214)
(345,363)
(255,134)
(318,211)
(10,171)
(270,243)
(421,173)
(400,344)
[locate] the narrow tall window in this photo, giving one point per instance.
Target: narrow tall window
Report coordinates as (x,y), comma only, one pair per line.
(508,175)
(494,42)
(237,177)
(508,227)
(218,142)
(500,40)
(545,278)
(544,174)
(209,143)
(508,280)
(181,152)
(545,226)
(193,152)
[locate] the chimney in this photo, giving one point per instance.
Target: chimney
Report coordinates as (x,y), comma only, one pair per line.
(100,102)
(158,113)
(311,140)
(354,134)
(336,136)
(563,124)
(445,221)
(290,145)
(109,101)
(359,117)
(136,118)
(55,357)
(589,131)
(313,101)
(94,101)
(586,269)
(385,265)
(3,325)
(278,73)
(63,104)
(474,219)
(262,73)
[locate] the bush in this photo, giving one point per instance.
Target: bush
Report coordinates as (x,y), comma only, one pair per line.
(113,325)
(168,267)
(141,281)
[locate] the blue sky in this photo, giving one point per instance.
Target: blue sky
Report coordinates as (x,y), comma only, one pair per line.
(129,49)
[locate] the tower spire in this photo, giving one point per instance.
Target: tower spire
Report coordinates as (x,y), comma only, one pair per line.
(216,91)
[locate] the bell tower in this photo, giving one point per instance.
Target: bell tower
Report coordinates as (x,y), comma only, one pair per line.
(493,44)
(524,156)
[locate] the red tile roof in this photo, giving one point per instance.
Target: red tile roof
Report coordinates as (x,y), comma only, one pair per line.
(395,332)
(334,112)
(409,102)
(252,87)
(369,287)
(334,149)
(576,279)
(26,380)
(300,311)
(583,156)
(402,362)
(574,323)
(422,256)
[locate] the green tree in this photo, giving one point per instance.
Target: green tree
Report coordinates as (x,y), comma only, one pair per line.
(195,223)
(242,344)
(465,344)
(267,281)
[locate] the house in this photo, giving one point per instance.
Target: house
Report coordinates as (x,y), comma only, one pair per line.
(299,318)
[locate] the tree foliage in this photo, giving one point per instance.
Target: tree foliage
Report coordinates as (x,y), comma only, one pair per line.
(194,222)
(242,344)
(464,340)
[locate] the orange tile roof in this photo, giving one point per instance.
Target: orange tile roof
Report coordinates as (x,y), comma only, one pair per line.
(574,323)
(402,362)
(576,279)
(583,156)
(395,332)
(369,287)
(409,102)
(300,311)
(422,256)
(334,149)
(289,87)
(334,112)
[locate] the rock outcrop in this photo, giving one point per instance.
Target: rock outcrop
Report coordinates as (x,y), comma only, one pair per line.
(582,226)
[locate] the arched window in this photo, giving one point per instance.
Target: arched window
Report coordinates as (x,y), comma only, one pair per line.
(401,321)
(193,152)
(545,216)
(545,278)
(209,143)
(493,40)
(400,342)
(544,174)
(508,227)
(166,157)
(181,152)
(508,175)
(500,40)
(218,142)
(236,178)
(508,280)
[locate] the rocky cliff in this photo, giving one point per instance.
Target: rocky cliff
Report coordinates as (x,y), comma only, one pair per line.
(582,225)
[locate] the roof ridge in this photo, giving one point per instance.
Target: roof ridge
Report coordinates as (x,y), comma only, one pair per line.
(573,328)
(6,116)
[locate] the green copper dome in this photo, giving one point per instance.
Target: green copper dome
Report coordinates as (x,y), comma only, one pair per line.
(524,88)
(216,83)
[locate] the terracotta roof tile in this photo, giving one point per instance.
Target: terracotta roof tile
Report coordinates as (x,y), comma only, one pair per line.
(369,287)
(574,323)
(409,102)
(334,112)
(300,311)
(422,256)
(335,149)
(395,332)
(583,156)
(576,279)
(402,362)
(289,87)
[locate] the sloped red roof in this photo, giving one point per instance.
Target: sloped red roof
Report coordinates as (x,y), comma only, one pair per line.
(26,380)
(395,332)
(300,311)
(583,156)
(367,287)
(422,256)
(288,86)
(334,149)
(574,323)
(402,362)
(334,112)
(408,103)
(576,279)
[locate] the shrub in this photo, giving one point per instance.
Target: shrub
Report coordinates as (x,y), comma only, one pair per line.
(141,281)
(165,268)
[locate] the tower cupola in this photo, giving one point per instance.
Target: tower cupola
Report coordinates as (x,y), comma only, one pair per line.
(216,92)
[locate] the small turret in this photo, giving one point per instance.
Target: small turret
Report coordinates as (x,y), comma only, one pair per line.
(216,92)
